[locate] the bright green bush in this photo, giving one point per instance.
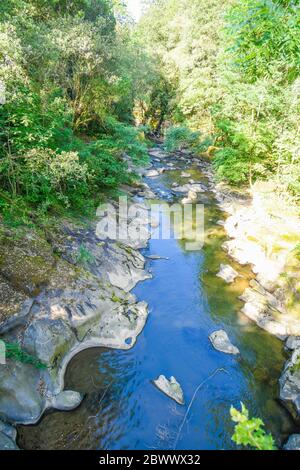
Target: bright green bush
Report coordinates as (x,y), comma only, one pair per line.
(249,431)
(180,137)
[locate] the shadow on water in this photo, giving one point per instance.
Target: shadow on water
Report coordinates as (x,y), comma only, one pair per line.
(123,410)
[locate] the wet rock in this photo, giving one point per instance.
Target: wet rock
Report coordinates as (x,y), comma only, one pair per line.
(293,342)
(170,387)
(227,273)
(290,384)
(26,264)
(197,188)
(155,257)
(192,197)
(293,442)
(158,153)
(48,337)
(66,400)
(152,173)
(22,392)
(221,342)
(147,194)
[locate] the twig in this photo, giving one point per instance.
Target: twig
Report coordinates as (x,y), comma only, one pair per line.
(192,401)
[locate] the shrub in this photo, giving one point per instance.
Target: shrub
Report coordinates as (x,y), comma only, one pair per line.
(249,431)
(179,137)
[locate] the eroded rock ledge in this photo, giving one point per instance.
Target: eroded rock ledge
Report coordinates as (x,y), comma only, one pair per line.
(60,294)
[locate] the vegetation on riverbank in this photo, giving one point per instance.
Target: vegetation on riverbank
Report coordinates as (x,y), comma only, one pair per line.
(235,67)
(66,114)
(76,77)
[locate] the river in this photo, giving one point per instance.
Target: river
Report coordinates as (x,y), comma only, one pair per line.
(122,409)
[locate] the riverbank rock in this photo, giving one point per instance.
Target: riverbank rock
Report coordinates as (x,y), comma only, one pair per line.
(290,384)
(152,173)
(66,400)
(8,436)
(185,188)
(293,442)
(170,387)
(158,153)
(191,197)
(221,342)
(227,273)
(293,342)
(264,230)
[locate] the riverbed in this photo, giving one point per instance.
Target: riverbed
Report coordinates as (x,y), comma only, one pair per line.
(122,409)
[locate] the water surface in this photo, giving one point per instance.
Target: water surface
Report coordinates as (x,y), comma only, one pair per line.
(122,408)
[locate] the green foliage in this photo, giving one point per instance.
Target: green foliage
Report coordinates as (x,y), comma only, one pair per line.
(15,352)
(249,431)
(180,137)
(67,101)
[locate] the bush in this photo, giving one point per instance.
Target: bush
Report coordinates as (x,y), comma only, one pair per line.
(249,431)
(180,137)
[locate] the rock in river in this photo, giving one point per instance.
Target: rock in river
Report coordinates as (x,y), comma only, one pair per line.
(227,273)
(66,400)
(170,387)
(221,342)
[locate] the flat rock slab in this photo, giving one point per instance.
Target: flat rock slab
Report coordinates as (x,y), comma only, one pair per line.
(170,387)
(221,342)
(227,273)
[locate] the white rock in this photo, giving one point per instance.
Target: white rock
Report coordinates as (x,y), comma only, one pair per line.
(170,387)
(152,173)
(293,342)
(227,273)
(221,342)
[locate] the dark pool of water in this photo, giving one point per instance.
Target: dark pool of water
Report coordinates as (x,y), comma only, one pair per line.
(122,408)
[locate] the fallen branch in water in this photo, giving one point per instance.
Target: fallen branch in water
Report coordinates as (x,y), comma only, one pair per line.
(192,401)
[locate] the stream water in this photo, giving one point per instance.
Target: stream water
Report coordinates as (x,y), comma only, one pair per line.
(122,409)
